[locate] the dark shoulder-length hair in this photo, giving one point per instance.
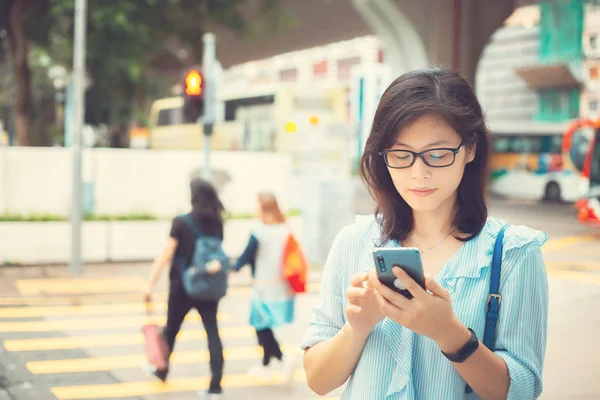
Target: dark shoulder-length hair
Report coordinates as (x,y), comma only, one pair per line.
(206,206)
(445,94)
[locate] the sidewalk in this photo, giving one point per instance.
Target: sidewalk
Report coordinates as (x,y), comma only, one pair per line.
(4,383)
(16,383)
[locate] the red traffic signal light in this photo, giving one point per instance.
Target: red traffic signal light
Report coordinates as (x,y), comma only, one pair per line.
(193,83)
(193,96)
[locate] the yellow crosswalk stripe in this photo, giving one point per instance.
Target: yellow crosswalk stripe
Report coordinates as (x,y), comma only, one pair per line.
(112,340)
(570,266)
(585,251)
(74,286)
(34,296)
(80,299)
(69,311)
(91,323)
(583,277)
(136,360)
(139,389)
(557,244)
(79,285)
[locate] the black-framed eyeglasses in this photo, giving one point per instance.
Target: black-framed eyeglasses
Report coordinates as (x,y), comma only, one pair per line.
(435,158)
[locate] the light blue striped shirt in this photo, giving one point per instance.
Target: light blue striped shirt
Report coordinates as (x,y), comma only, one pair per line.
(398,364)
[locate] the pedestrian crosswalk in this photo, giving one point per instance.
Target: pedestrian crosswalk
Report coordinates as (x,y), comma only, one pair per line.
(135,360)
(138,389)
(80,327)
(89,323)
(114,340)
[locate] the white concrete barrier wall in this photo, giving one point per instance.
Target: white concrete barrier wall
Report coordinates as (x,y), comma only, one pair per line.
(125,181)
(50,242)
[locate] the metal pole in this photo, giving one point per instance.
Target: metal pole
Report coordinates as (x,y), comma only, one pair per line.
(75,266)
(208,68)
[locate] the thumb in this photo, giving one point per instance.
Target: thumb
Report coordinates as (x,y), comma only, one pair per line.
(357,280)
(435,288)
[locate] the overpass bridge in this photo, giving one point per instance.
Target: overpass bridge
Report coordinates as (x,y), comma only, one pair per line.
(414,33)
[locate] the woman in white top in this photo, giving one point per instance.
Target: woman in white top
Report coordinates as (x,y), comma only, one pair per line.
(425,162)
(272,302)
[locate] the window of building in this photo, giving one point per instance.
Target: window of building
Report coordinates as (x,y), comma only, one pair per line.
(288,75)
(593,42)
(593,105)
(345,67)
(594,72)
(320,69)
(558,105)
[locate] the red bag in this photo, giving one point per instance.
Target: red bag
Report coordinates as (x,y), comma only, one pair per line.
(155,345)
(295,267)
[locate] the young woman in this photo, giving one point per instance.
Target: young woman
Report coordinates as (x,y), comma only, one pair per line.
(425,164)
(207,216)
(272,302)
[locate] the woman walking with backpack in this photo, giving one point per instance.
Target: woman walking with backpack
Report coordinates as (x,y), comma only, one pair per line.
(272,302)
(205,218)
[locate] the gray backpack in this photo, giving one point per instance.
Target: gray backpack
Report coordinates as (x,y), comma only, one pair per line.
(197,282)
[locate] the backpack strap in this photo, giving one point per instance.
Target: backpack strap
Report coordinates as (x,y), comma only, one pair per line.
(494,298)
(189,221)
(191,224)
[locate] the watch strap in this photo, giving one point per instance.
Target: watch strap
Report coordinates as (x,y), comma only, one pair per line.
(466,351)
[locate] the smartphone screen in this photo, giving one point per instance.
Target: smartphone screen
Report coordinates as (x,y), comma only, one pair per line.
(407,258)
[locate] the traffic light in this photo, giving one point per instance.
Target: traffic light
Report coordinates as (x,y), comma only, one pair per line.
(193,95)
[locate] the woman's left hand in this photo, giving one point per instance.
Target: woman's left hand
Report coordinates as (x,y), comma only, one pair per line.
(214,266)
(428,314)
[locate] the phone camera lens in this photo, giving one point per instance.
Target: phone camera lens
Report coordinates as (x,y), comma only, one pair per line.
(380,259)
(382,268)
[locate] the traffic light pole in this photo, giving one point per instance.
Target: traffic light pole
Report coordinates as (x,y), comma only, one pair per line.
(208,68)
(75,266)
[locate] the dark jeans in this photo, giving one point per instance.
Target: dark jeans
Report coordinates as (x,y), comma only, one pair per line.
(267,340)
(179,305)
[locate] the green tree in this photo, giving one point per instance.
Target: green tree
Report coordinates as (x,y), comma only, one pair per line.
(133,47)
(14,16)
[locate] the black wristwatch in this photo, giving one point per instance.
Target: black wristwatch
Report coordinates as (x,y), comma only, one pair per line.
(465,351)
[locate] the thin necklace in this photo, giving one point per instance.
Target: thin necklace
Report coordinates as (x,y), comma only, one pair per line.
(412,239)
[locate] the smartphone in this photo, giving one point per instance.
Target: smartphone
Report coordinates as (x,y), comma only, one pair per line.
(407,258)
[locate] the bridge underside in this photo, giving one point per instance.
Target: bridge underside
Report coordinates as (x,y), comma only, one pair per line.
(315,23)
(440,32)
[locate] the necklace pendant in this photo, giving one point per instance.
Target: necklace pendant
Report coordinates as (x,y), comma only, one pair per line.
(412,239)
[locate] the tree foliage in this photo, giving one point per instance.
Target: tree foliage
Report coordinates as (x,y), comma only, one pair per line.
(134,48)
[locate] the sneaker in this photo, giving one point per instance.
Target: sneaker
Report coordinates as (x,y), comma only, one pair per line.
(161,374)
(287,368)
(260,371)
(205,394)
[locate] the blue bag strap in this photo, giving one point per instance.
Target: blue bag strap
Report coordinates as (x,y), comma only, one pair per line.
(494,298)
(189,221)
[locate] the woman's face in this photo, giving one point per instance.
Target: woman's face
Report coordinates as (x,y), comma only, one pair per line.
(423,187)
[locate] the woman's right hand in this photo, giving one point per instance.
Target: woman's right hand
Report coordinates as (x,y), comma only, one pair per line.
(362,310)
(147,291)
